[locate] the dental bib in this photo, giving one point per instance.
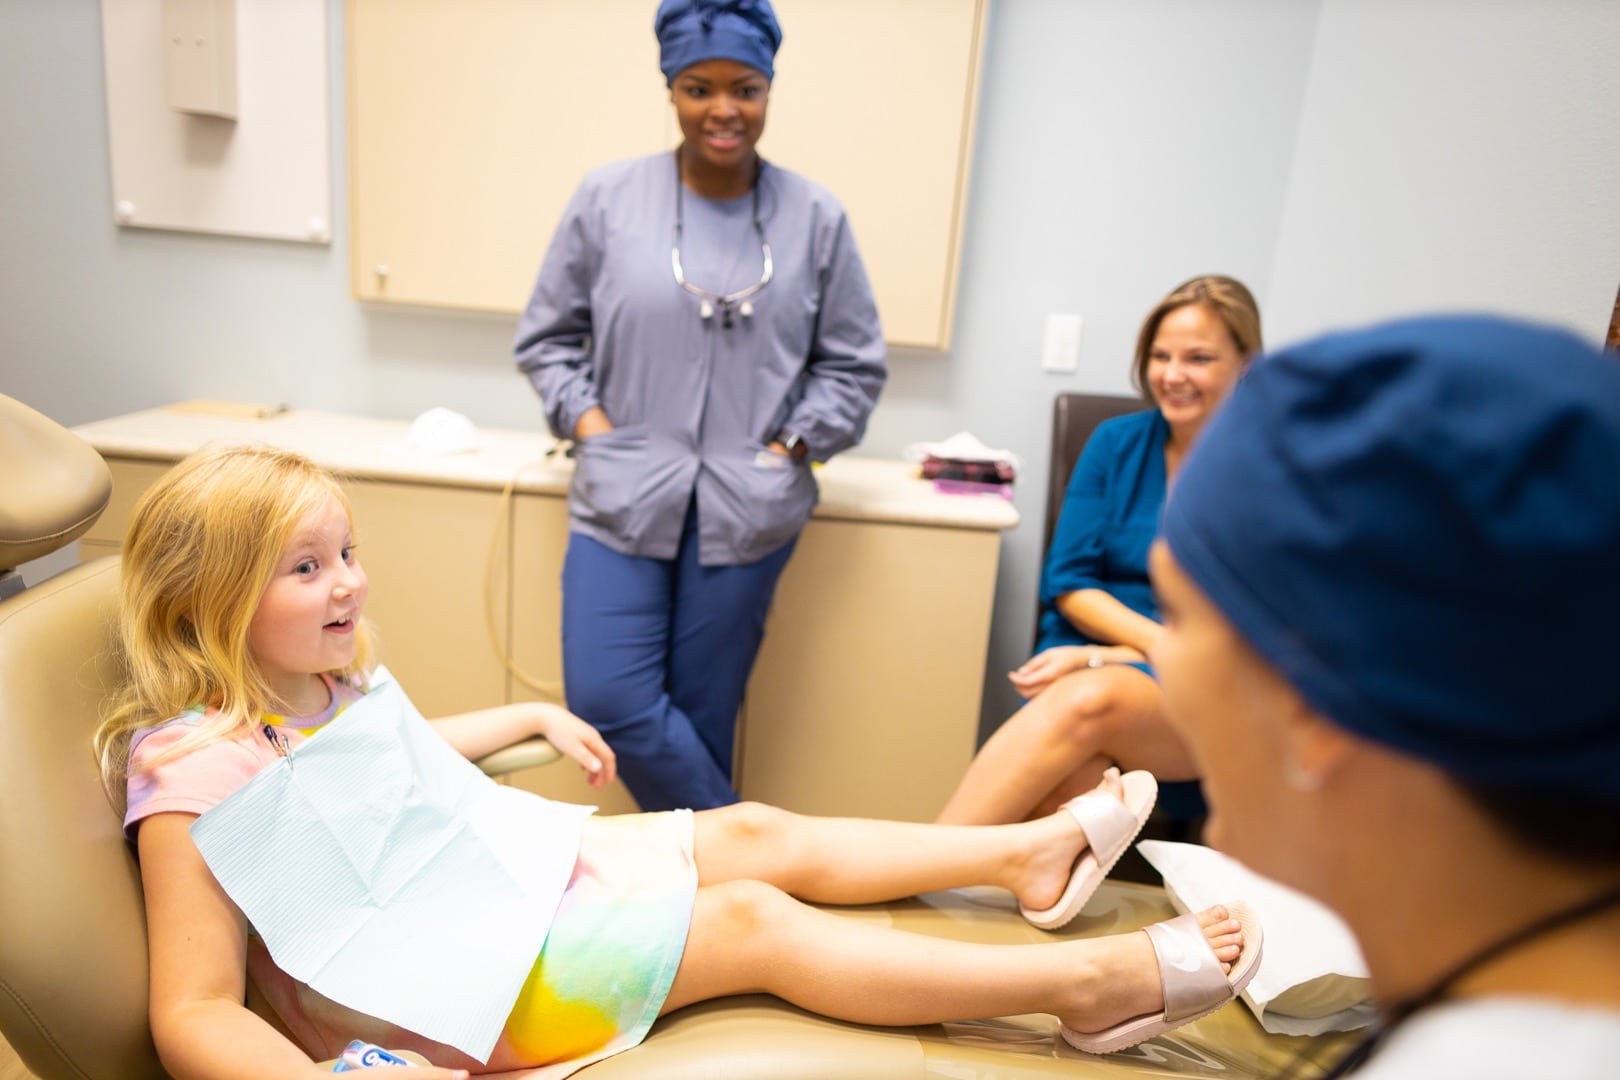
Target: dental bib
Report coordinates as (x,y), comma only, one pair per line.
(388,873)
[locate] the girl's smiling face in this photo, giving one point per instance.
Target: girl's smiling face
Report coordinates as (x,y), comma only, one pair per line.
(306,617)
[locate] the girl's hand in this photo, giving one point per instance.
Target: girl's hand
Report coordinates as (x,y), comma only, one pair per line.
(403,1072)
(418,1067)
(576,739)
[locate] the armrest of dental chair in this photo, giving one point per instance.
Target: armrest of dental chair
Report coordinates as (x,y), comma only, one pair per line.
(524,755)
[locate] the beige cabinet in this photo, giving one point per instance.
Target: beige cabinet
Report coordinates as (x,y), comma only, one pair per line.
(423,549)
(540,536)
(865,698)
(471,124)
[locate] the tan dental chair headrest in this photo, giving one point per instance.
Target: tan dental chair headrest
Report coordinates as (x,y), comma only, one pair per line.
(53,484)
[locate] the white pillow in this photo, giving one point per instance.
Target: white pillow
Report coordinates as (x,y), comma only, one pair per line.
(1312,978)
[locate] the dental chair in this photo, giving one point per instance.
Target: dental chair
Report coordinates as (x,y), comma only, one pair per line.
(73,992)
(72,936)
(72,926)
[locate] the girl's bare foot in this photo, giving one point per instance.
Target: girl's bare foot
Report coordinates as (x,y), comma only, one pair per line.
(1054,843)
(1120,975)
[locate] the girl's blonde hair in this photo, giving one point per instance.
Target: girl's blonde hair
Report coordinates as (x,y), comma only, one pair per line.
(201,548)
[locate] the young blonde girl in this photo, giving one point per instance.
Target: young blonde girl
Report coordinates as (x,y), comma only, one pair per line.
(241,619)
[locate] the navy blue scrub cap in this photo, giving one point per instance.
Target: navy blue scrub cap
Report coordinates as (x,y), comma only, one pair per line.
(1418,525)
(691,31)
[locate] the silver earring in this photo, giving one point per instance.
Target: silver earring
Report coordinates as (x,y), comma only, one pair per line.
(1299,778)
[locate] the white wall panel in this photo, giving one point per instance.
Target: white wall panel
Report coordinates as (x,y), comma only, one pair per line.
(266,173)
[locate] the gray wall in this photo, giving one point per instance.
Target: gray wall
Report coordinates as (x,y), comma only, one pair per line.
(1458,154)
(1348,158)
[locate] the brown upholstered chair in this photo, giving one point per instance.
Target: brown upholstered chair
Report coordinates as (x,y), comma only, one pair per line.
(1074,418)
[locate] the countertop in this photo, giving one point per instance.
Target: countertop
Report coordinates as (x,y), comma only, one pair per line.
(853,488)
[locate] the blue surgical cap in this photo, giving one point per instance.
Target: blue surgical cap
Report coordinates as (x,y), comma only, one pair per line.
(691,31)
(1418,525)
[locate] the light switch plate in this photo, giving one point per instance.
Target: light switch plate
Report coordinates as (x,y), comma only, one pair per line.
(1062,348)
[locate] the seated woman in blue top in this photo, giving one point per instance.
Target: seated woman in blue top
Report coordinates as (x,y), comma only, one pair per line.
(1092,699)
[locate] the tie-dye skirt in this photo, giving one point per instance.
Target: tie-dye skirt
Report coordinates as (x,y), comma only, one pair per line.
(613,948)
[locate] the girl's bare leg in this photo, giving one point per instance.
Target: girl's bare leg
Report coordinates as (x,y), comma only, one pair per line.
(748,937)
(1058,745)
(861,861)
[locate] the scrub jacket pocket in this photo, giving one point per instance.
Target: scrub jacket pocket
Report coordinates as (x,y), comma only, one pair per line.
(607,469)
(777,501)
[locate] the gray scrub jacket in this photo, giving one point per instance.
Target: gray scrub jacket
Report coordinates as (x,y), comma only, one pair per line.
(693,403)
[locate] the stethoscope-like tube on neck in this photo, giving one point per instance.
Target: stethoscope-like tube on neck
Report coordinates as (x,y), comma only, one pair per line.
(727,304)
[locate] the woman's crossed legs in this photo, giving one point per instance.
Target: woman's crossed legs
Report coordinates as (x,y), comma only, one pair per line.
(1059,743)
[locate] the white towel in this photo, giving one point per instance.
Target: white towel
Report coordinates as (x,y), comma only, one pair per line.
(1312,978)
(963,446)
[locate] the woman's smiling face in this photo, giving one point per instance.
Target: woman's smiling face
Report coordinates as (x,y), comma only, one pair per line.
(720,105)
(1192,365)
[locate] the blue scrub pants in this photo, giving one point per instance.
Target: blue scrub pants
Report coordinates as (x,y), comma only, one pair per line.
(656,655)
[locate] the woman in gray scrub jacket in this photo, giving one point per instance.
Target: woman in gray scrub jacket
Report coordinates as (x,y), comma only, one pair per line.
(703,329)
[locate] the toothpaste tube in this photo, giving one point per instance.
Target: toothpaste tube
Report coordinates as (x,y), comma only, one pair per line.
(363,1055)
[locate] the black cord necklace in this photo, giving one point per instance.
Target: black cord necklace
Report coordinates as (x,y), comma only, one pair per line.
(1403,1010)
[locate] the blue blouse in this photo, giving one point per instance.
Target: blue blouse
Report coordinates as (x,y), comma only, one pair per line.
(1109,519)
